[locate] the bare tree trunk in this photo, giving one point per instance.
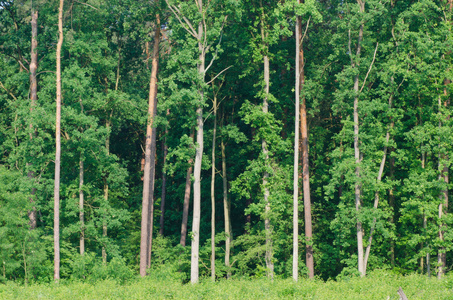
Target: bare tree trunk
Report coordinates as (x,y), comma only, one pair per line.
(305,165)
(213,190)
(392,206)
(185,210)
(56,228)
(227,212)
(296,158)
(150,153)
(81,204)
(443,207)
(358,187)
(194,265)
(106,194)
(33,99)
(164,182)
(376,194)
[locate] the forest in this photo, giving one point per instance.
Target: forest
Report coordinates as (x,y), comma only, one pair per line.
(225,139)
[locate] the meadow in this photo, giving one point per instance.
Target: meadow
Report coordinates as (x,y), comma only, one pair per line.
(161,285)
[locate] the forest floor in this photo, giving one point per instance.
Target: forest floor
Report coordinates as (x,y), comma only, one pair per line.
(377,285)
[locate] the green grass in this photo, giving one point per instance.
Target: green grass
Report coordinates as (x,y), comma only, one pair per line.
(378,285)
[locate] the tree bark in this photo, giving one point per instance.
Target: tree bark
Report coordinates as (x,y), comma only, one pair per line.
(185,210)
(106,195)
(443,207)
(227,212)
(81,204)
(213,190)
(305,165)
(358,187)
(33,98)
(56,228)
(296,157)
(267,209)
(150,153)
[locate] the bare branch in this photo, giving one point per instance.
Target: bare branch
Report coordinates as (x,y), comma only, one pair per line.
(218,74)
(177,14)
(11,94)
(369,70)
(86,4)
(349,46)
(220,40)
(305,33)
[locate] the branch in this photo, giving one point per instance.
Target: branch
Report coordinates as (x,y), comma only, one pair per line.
(349,45)
(86,4)
(369,70)
(11,94)
(218,74)
(177,14)
(216,51)
(305,33)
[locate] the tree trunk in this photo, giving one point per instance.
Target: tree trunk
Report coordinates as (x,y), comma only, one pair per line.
(358,187)
(164,182)
(150,153)
(213,190)
(227,213)
(81,204)
(56,228)
(33,99)
(376,194)
(296,158)
(305,165)
(443,207)
(267,209)
(106,196)
(185,209)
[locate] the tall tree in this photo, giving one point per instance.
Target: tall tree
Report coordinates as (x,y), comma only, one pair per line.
(56,229)
(33,98)
(150,154)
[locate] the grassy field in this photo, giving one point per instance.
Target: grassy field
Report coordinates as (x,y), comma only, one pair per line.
(378,285)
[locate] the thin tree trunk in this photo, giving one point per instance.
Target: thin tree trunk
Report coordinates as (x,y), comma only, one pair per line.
(150,153)
(194,265)
(358,187)
(227,212)
(164,182)
(56,228)
(392,205)
(81,204)
(305,165)
(296,158)
(213,190)
(267,225)
(378,180)
(106,196)
(443,207)
(33,99)
(185,209)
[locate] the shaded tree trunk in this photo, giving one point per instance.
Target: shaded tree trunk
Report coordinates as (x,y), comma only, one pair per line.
(150,153)
(358,187)
(227,212)
(443,207)
(56,228)
(185,209)
(305,165)
(81,204)
(296,157)
(33,98)
(213,190)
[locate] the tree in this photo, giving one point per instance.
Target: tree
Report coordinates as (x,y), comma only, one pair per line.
(56,228)
(150,153)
